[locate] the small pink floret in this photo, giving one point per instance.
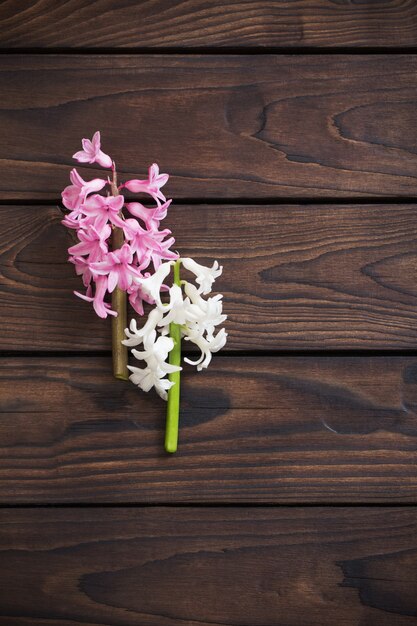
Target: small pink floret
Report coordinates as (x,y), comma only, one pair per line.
(92,152)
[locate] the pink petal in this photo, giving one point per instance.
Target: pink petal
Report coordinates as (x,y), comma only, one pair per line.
(103,159)
(112,281)
(104,233)
(125,280)
(116,202)
(116,220)
(87,147)
(70,223)
(138,210)
(101,221)
(70,197)
(83,296)
(80,248)
(82,157)
(130,228)
(161,210)
(76,178)
(136,185)
(103,246)
(125,254)
(162,179)
(153,171)
(96,140)
(156,177)
(136,302)
(95,185)
(103,309)
(100,308)
(94,202)
(101,268)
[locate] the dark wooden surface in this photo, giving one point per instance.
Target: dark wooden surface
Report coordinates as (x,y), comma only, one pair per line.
(271,430)
(295,166)
(295,277)
(192,23)
(224,126)
(222,567)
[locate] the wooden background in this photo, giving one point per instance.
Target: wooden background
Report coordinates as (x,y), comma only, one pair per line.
(290,132)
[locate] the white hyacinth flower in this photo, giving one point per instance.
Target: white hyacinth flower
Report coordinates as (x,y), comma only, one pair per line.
(146,378)
(207,347)
(212,309)
(135,336)
(155,355)
(192,315)
(151,286)
(205,276)
(156,351)
(180,309)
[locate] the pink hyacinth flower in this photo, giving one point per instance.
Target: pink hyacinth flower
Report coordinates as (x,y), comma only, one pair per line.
(92,242)
(102,308)
(118,266)
(149,244)
(75,220)
(74,195)
(104,209)
(82,268)
(151,186)
(165,254)
(150,217)
(137,296)
(92,153)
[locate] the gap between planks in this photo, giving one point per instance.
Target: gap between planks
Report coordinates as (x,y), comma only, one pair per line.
(210,51)
(205,505)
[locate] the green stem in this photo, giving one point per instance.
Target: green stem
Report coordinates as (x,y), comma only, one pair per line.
(173,408)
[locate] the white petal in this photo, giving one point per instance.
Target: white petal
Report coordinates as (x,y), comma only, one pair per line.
(192,292)
(162,387)
(170,369)
(135,336)
(151,286)
(205,276)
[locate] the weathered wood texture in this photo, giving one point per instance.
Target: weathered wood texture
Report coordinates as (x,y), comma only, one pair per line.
(322,430)
(254,430)
(295,277)
(208,567)
(223,126)
(246,23)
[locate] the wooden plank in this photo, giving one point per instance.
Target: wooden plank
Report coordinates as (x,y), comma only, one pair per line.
(223,126)
(216,566)
(280,430)
(247,23)
(295,277)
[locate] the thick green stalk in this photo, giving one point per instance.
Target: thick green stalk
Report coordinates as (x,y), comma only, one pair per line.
(173,408)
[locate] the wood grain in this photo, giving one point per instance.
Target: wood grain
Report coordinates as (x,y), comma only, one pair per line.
(247,23)
(224,126)
(295,277)
(253,430)
(222,567)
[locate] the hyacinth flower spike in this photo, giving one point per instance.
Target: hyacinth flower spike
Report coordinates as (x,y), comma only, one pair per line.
(185,315)
(111,250)
(122,253)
